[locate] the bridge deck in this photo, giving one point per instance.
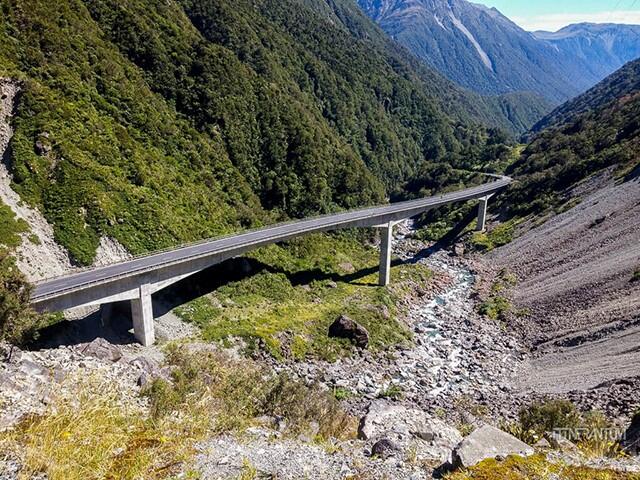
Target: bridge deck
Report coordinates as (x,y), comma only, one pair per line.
(229,246)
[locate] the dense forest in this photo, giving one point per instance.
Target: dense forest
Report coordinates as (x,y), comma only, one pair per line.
(596,130)
(161,122)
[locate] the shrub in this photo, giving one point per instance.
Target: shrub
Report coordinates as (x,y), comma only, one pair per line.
(235,394)
(18,322)
(541,417)
(495,308)
(636,275)
(499,236)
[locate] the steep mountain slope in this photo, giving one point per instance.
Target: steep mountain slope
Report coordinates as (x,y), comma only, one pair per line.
(598,129)
(161,122)
(594,51)
(481,49)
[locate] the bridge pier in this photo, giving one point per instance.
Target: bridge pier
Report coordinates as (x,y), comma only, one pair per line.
(386,242)
(142,315)
(482,214)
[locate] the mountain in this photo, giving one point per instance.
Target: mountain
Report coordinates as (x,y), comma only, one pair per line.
(597,130)
(481,49)
(156,123)
(594,51)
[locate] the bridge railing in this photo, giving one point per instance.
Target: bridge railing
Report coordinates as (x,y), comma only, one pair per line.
(502,182)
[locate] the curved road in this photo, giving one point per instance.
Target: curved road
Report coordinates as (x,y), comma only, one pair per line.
(227,247)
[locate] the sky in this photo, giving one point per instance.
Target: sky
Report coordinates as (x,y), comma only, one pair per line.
(552,15)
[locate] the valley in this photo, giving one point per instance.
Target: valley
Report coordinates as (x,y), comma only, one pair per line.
(329,295)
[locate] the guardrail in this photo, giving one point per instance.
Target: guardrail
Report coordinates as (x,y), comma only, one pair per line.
(336,219)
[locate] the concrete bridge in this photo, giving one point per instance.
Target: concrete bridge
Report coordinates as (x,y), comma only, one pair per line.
(136,280)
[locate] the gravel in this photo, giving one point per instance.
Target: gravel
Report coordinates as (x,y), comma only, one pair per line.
(575,279)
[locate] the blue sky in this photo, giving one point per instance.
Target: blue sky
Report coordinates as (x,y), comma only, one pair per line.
(555,14)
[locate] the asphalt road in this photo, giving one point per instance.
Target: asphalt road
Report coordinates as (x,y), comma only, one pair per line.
(272,234)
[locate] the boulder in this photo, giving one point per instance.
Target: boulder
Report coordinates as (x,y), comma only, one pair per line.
(488,442)
(384,448)
(101,349)
(630,441)
(344,327)
(409,428)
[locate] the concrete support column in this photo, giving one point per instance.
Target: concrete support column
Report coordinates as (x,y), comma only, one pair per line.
(482,214)
(142,315)
(386,234)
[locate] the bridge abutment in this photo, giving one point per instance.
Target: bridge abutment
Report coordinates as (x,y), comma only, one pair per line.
(142,316)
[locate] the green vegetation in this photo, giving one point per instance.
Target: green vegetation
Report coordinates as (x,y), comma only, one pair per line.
(636,275)
(171,122)
(18,322)
(497,237)
(536,467)
(237,396)
(599,129)
(497,306)
(10,228)
(93,433)
(591,429)
(304,287)
(394,392)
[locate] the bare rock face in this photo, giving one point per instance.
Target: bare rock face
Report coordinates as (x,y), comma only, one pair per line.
(488,442)
(344,327)
(409,428)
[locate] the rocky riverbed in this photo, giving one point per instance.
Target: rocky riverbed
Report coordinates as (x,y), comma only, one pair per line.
(460,363)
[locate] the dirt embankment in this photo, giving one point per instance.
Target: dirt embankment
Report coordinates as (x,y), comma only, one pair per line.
(576,283)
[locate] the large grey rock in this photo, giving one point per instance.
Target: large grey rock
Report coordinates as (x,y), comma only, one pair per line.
(488,442)
(409,428)
(344,327)
(101,349)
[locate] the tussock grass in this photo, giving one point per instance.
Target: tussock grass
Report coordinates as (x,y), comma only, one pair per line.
(239,394)
(92,433)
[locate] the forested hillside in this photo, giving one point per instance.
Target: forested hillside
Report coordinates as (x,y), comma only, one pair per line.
(162,122)
(598,129)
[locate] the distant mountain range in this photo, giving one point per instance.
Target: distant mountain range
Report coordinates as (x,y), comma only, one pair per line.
(481,49)
(598,129)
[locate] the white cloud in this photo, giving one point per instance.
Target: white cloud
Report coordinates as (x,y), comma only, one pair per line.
(555,21)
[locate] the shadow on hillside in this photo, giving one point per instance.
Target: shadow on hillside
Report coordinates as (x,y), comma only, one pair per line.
(113,322)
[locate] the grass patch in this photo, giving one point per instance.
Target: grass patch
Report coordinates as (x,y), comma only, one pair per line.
(636,275)
(92,433)
(499,236)
(536,467)
(289,307)
(591,428)
(496,307)
(240,393)
(393,392)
